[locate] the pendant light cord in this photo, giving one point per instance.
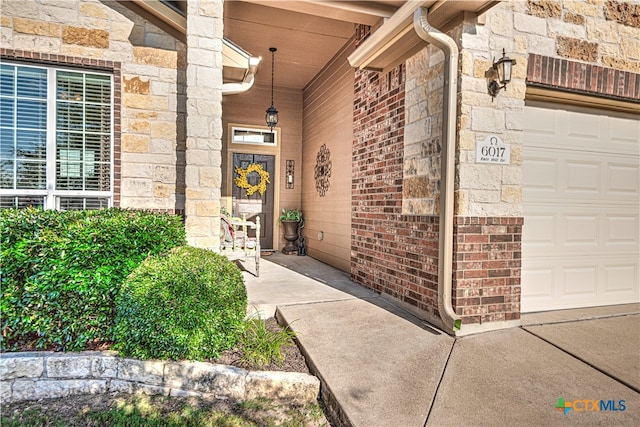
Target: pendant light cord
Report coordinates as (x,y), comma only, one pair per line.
(273,59)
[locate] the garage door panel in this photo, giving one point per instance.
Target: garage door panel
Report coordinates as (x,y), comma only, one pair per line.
(582,127)
(624,180)
(581,230)
(624,133)
(540,293)
(581,186)
(596,178)
(540,231)
(578,282)
(621,278)
(584,178)
(622,230)
(541,174)
(541,123)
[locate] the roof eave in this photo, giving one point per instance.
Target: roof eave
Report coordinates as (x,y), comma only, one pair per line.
(395,40)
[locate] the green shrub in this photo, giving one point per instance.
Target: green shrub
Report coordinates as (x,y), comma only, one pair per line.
(189,304)
(60,271)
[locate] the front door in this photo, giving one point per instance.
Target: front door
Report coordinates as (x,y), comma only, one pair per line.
(255,204)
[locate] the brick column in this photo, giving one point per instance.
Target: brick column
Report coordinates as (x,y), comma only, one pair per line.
(204,123)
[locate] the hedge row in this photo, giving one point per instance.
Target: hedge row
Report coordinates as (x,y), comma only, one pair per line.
(61,271)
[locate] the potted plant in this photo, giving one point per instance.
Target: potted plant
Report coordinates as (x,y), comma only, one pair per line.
(290,220)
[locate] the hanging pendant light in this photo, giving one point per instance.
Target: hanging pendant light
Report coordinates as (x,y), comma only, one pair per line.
(272,114)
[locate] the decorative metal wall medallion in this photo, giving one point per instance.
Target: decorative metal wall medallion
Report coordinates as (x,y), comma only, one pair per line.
(323,170)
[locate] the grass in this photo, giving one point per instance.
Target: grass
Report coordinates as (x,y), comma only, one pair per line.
(31,417)
(158,411)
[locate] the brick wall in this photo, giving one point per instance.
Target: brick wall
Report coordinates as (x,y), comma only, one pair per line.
(391,253)
(397,254)
(577,77)
(486,278)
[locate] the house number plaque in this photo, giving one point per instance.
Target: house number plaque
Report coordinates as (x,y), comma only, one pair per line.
(493,151)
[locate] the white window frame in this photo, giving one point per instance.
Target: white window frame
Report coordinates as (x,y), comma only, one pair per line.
(50,194)
(257,130)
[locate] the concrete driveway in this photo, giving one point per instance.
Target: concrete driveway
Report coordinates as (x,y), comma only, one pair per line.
(380,366)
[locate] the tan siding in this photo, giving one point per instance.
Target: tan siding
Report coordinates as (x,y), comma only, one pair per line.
(249,109)
(328,119)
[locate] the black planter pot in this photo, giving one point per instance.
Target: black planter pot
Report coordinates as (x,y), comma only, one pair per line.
(290,235)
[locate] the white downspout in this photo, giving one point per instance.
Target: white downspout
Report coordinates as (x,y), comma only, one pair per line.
(236,88)
(247,83)
(447,164)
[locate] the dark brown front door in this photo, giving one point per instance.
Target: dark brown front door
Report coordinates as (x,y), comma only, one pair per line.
(256,204)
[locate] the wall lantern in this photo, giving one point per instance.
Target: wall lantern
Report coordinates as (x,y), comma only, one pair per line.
(503,70)
(290,171)
(272,114)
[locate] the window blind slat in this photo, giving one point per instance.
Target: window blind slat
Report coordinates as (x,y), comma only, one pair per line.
(31,174)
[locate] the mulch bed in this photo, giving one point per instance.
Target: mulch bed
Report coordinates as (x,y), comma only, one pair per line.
(294,361)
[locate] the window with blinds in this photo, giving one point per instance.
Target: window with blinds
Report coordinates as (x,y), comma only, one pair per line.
(56,132)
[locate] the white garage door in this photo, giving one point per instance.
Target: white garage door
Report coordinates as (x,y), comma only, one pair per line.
(581,202)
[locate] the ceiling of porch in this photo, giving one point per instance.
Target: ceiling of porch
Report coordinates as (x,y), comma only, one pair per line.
(307,33)
(303,33)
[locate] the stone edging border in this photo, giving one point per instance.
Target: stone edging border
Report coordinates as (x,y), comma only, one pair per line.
(43,375)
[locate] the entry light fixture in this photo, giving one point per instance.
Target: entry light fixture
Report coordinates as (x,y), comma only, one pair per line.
(272,114)
(502,74)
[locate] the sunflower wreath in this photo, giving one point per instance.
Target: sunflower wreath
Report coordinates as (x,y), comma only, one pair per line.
(242,182)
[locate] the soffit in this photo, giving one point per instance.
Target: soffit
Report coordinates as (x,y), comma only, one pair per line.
(395,40)
(307,33)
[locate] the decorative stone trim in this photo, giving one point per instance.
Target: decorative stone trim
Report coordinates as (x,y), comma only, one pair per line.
(44,375)
(578,77)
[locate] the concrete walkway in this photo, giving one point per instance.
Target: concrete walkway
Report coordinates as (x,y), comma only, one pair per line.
(380,366)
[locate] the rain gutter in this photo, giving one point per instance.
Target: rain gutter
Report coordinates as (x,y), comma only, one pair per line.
(247,82)
(447,164)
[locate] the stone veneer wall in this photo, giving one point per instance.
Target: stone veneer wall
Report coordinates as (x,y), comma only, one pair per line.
(148,124)
(601,36)
(395,203)
(203,170)
(46,375)
(556,44)
(423,132)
